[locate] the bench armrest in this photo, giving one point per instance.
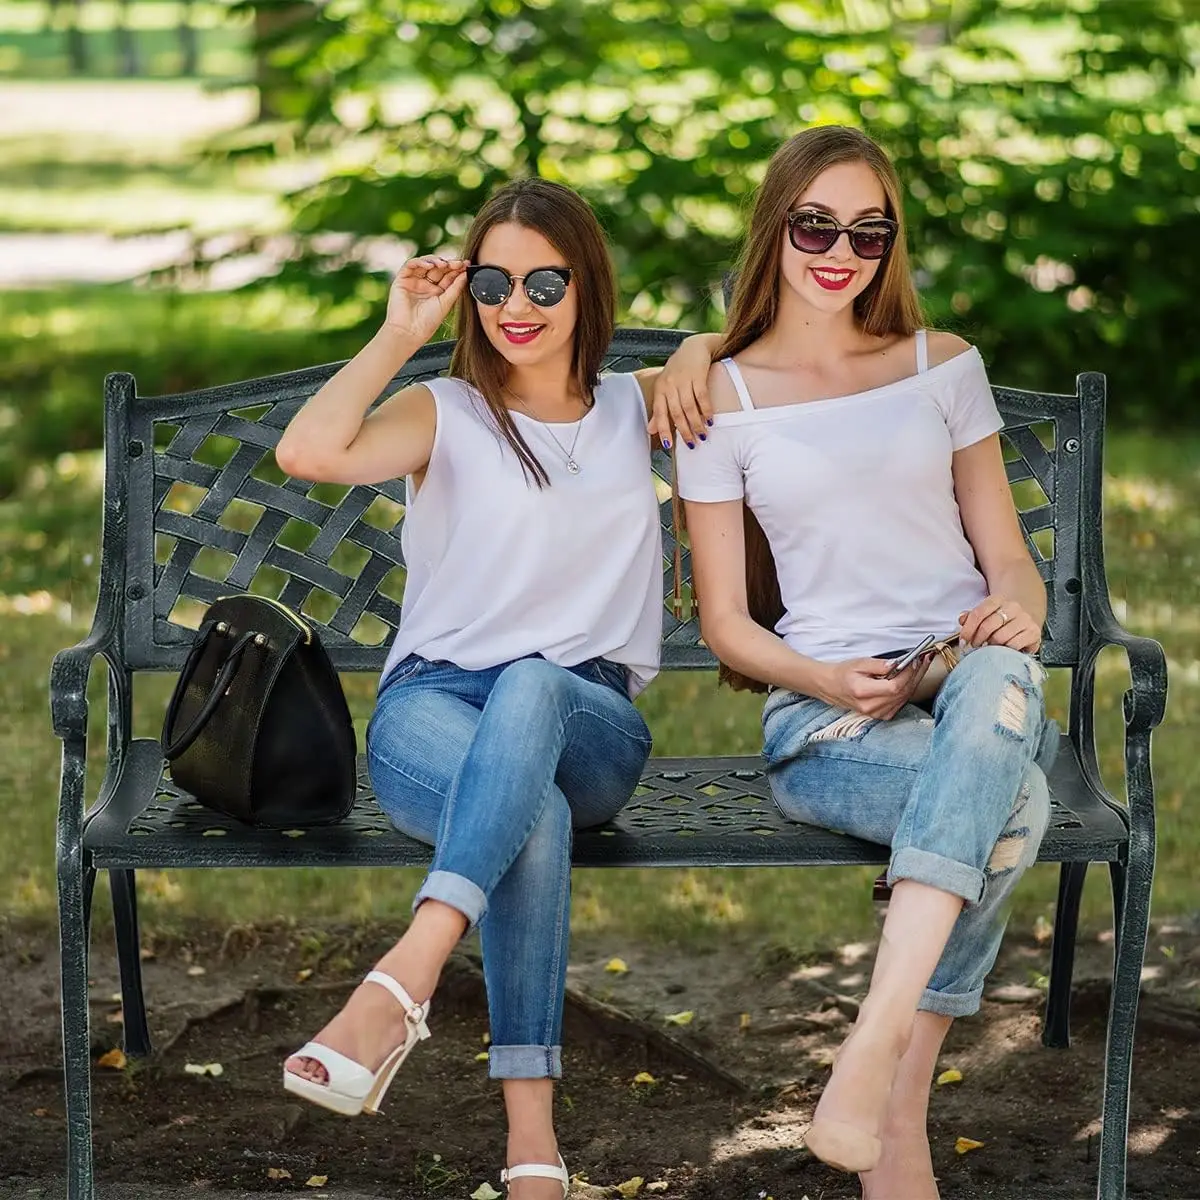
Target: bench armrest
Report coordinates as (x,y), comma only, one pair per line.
(69,716)
(68,684)
(1144,705)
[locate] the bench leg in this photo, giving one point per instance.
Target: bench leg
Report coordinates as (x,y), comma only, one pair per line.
(1056,1031)
(1131,901)
(75,885)
(133,1003)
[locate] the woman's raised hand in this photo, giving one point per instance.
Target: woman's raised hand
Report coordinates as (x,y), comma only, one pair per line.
(681,404)
(422,295)
(861,685)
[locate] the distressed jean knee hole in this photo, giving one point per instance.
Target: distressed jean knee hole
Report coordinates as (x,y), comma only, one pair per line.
(1014,708)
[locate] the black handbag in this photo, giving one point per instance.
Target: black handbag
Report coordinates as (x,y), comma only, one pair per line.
(258,727)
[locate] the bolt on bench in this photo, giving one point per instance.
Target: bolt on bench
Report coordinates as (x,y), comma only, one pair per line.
(180,531)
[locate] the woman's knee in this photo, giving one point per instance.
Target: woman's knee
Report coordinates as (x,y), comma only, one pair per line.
(1005,685)
(531,686)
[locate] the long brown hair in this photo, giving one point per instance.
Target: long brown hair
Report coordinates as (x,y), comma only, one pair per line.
(888,305)
(567,222)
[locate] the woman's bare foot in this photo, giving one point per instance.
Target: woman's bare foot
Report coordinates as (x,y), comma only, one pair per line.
(848,1122)
(905,1168)
(371,1024)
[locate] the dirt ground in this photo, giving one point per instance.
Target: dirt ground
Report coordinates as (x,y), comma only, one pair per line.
(732,1090)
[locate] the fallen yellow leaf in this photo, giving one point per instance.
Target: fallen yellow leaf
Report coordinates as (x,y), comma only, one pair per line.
(631,1187)
(116,1018)
(213,1069)
(115,1059)
(194,971)
(659,1185)
(303,974)
(953,1075)
(41,1112)
(616,966)
(482,1056)
(964,1145)
(679,1018)
(278,1173)
(486,1039)
(644,1077)
(744,1022)
(316,1181)
(485,1191)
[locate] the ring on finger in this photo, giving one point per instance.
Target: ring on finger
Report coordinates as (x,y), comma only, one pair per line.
(1003,617)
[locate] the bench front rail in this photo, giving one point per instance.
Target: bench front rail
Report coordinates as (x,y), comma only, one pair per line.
(195,508)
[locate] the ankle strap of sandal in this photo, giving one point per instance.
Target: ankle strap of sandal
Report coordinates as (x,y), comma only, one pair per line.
(414,1013)
(537,1171)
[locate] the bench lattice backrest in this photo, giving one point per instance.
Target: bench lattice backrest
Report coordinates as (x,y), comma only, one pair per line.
(196,508)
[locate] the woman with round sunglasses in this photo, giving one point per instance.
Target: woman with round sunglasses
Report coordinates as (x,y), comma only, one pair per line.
(849,505)
(532,616)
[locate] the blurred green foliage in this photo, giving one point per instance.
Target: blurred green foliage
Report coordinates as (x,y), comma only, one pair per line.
(1049,150)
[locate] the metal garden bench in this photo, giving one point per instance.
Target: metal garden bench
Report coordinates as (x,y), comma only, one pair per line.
(195,507)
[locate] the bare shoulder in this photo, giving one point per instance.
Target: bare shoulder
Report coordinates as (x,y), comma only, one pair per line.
(721,391)
(945,346)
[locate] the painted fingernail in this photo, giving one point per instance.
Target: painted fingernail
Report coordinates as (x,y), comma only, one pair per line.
(691,445)
(710,420)
(704,437)
(666,444)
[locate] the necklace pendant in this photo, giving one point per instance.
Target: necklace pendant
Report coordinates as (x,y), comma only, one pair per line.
(572,466)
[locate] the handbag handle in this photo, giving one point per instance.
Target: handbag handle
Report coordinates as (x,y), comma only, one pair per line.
(172,750)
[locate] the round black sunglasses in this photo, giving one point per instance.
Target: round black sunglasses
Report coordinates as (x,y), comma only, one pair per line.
(545,286)
(815,233)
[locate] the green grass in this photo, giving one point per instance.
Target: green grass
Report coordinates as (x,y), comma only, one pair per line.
(56,345)
(48,543)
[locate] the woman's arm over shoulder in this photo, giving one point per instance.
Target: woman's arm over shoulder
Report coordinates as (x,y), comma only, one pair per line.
(677,401)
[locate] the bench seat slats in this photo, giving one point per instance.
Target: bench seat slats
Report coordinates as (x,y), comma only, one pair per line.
(688,812)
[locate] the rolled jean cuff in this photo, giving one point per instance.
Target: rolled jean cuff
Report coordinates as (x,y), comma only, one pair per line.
(920,865)
(525,1062)
(455,890)
(951,1004)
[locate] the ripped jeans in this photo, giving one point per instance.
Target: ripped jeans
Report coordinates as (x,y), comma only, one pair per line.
(960,796)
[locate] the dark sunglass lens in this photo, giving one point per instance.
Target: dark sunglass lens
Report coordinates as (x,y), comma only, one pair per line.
(813,234)
(545,288)
(490,285)
(871,241)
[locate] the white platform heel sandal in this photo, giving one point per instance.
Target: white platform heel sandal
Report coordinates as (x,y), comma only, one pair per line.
(539,1171)
(351,1088)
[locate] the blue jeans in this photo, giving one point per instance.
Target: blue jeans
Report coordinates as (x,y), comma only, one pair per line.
(960,796)
(494,769)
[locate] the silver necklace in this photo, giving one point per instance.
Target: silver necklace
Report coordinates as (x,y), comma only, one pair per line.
(572,466)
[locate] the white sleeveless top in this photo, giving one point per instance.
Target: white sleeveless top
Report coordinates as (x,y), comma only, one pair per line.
(499,569)
(856,497)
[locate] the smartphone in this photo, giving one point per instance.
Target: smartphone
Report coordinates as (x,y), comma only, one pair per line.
(906,660)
